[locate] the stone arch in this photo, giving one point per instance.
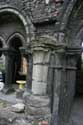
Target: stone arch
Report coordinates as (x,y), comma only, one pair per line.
(74,31)
(14,42)
(17,35)
(67,9)
(22,36)
(73,23)
(79,37)
(25,20)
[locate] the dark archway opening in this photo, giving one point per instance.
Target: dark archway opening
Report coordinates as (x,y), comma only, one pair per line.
(15,43)
(79,74)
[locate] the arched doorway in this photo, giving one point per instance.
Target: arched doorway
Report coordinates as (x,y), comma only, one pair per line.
(14,32)
(14,43)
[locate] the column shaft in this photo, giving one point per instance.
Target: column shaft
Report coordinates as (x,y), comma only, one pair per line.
(56,85)
(40,71)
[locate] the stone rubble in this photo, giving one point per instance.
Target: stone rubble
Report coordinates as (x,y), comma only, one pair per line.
(19,107)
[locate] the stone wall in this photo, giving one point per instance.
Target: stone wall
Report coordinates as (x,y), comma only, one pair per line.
(43,16)
(39,10)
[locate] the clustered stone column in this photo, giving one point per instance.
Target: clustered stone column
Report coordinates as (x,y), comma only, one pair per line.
(40,70)
(67,91)
(38,102)
(61,83)
(55,81)
(57,85)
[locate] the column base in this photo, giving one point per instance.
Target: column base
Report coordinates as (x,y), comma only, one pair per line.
(37,109)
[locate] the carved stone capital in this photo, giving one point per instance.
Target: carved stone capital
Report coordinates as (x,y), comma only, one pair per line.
(46,44)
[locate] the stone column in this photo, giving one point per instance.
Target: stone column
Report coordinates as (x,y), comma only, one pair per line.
(30,64)
(50,79)
(56,81)
(40,70)
(67,90)
(9,69)
(38,102)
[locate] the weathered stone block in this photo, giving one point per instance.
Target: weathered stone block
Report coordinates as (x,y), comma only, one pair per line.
(39,88)
(38,57)
(37,105)
(40,73)
(19,107)
(37,101)
(38,111)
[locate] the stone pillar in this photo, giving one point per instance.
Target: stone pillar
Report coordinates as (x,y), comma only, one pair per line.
(55,75)
(40,70)
(9,69)
(29,75)
(50,79)
(57,85)
(67,90)
(38,102)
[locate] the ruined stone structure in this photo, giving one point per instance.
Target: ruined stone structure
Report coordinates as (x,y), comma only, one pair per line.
(49,35)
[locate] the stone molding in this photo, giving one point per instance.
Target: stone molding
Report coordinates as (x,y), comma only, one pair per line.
(73,50)
(18,35)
